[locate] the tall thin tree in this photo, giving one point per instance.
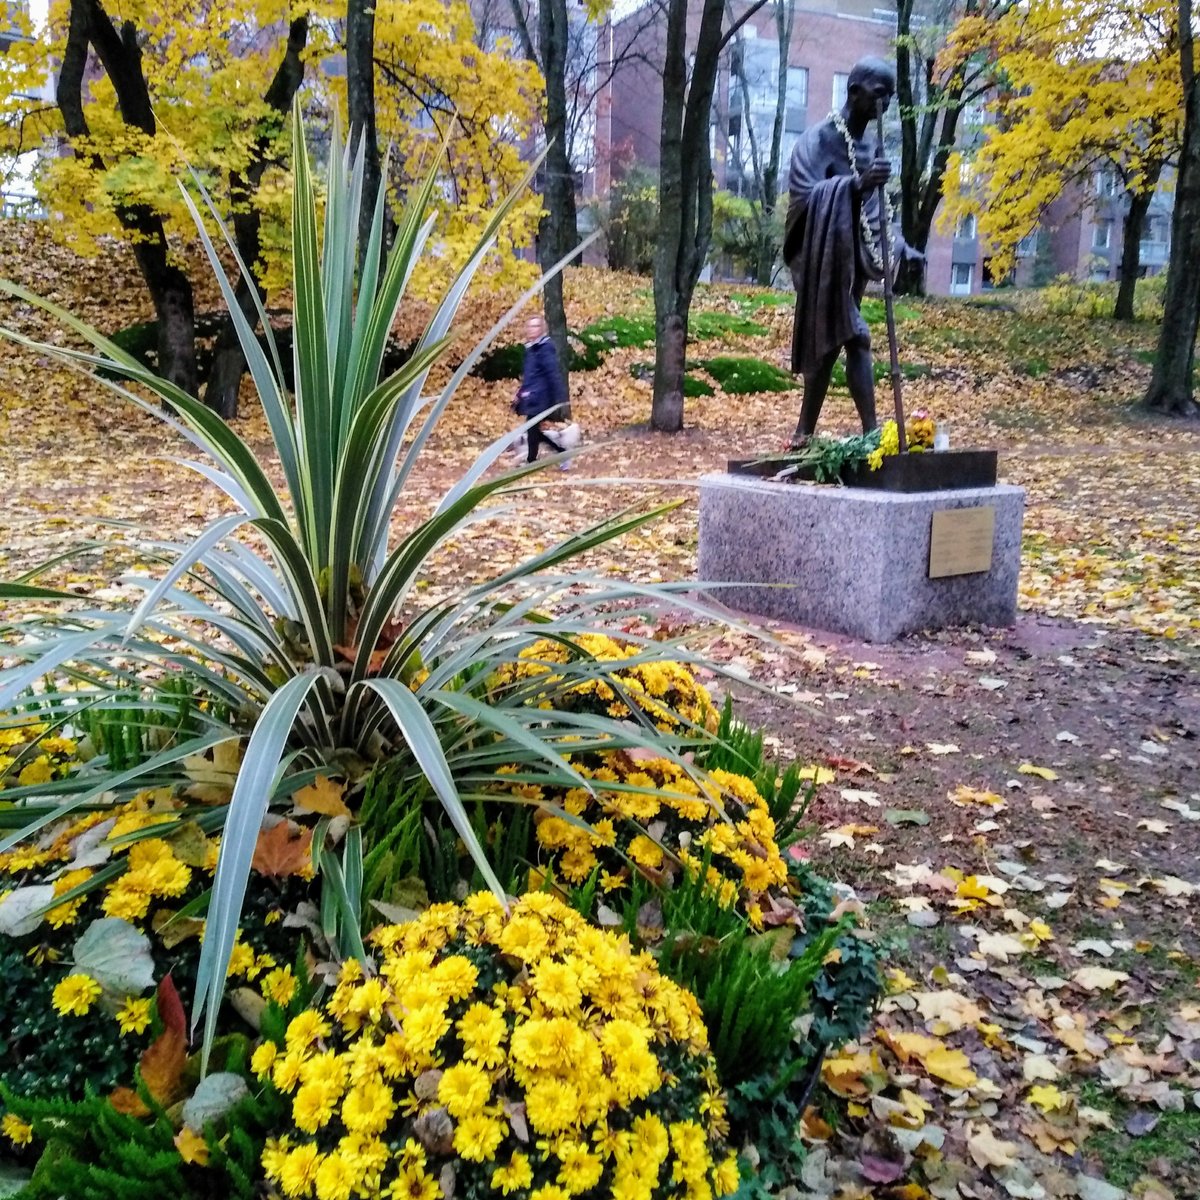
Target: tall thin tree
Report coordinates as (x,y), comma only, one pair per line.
(932,91)
(765,161)
(558,233)
(229,363)
(1172,386)
(360,103)
(685,190)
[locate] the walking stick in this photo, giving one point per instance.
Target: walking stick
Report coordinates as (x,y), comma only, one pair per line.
(885,254)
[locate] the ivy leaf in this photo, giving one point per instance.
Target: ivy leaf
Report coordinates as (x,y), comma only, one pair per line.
(117,956)
(16,907)
(214,1096)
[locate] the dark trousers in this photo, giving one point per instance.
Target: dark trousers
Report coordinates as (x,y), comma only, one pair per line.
(535,437)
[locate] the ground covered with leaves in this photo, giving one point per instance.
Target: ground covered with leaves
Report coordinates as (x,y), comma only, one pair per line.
(1019,810)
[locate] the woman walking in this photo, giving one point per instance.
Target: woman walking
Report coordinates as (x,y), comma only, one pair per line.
(542,389)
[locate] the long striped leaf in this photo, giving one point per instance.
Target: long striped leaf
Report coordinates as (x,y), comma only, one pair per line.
(251,795)
(421,737)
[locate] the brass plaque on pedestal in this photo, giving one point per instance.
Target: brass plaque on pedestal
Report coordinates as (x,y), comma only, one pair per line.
(961,541)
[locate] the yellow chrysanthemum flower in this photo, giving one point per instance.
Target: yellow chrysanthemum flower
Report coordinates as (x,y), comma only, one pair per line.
(279,985)
(134,1015)
(514,1175)
(478,1137)
(19,1132)
(567,1032)
(75,995)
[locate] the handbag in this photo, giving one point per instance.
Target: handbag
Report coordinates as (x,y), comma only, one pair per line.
(569,436)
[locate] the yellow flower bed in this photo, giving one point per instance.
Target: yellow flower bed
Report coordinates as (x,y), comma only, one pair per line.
(29,757)
(523,1054)
(657,821)
(667,692)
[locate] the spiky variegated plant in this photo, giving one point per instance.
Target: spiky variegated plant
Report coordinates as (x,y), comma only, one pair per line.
(259,609)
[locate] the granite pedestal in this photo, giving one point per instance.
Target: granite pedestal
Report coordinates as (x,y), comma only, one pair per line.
(852,560)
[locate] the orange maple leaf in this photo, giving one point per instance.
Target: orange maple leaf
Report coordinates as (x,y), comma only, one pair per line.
(284,849)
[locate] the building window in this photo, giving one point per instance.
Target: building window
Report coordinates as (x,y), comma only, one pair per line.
(966,227)
(840,83)
(1102,235)
(972,116)
(1028,245)
(1107,183)
(962,276)
(797,87)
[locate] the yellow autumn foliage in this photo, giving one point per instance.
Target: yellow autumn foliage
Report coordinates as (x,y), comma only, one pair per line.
(1082,86)
(208,65)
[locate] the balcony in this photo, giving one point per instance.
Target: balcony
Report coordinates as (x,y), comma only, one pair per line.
(1154,254)
(23,205)
(14,16)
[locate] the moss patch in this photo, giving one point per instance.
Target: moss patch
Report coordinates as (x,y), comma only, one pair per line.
(590,344)
(750,304)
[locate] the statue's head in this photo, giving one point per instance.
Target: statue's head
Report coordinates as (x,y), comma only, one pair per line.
(871,81)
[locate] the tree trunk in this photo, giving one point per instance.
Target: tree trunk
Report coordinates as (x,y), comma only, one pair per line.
(1171,385)
(928,132)
(557,235)
(1131,251)
(670,365)
(768,250)
(168,285)
(229,363)
(670,347)
(173,306)
(685,190)
(360,101)
(910,277)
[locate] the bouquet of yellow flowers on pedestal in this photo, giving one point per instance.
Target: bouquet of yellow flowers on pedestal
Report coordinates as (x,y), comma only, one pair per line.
(525,1054)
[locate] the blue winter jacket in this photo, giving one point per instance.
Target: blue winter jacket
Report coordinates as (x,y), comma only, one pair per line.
(542,386)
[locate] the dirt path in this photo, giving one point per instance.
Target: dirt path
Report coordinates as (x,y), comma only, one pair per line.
(1020,811)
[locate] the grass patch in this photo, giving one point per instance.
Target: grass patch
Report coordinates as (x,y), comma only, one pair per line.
(739,376)
(693,385)
(590,344)
(736,376)
(618,333)
(706,325)
(1174,1140)
(748,305)
(882,371)
(875,312)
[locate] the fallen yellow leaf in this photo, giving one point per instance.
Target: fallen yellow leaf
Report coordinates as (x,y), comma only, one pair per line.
(988,1150)
(324,797)
(1047,1097)
(1040,772)
(192,1147)
(817,775)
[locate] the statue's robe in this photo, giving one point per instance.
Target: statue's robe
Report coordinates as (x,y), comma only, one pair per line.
(824,247)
